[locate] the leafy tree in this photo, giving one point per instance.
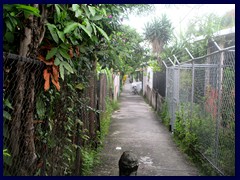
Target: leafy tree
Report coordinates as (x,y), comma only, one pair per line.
(228,19)
(70,39)
(204,26)
(158,33)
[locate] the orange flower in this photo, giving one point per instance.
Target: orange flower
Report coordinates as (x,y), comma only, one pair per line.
(51,71)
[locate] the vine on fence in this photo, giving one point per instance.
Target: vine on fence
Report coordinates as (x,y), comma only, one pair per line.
(57,99)
(188,133)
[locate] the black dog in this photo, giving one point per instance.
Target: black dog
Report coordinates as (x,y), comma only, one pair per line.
(128,164)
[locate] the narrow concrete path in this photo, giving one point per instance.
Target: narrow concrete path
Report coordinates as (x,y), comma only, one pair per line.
(135,127)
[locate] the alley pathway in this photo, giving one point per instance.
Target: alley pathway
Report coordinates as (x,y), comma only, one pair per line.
(135,127)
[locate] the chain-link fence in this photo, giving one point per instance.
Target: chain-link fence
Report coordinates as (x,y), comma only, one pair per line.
(45,131)
(201,92)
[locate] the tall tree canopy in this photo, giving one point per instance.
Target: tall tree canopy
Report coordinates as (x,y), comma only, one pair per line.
(158,32)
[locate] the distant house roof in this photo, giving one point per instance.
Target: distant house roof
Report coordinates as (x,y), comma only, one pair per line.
(217,34)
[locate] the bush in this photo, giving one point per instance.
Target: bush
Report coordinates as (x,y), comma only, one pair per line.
(165,117)
(91,156)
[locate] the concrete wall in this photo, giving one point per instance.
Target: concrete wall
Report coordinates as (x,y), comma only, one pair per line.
(116,85)
(147,79)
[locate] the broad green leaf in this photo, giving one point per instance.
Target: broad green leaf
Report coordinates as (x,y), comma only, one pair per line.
(86,30)
(104,12)
(8,7)
(64,54)
(7,103)
(58,11)
(51,25)
(71,87)
(73,40)
(88,27)
(77,34)
(9,37)
(86,10)
(57,61)
(80,86)
(7,159)
(41,109)
(67,66)
(9,26)
(51,53)
(95,39)
(13,21)
(102,32)
(52,28)
(64,46)
(75,7)
(96,18)
(78,13)
(28,9)
(92,10)
(61,69)
(61,35)
(94,30)
(70,27)
(6,115)
(12,14)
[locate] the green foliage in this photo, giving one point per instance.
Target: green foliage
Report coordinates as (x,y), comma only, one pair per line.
(76,36)
(165,116)
(200,26)
(228,19)
(91,156)
(183,131)
(204,26)
(196,133)
(41,108)
(154,65)
(126,50)
(187,138)
(158,32)
(6,153)
(111,106)
(13,17)
(90,159)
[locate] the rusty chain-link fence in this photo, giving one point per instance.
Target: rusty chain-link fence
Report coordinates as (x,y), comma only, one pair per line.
(201,92)
(44,132)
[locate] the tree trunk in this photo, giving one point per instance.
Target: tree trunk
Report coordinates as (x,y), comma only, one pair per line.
(18,106)
(29,155)
(24,117)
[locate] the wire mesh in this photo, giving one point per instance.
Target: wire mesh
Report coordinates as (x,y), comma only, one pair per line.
(21,83)
(44,131)
(205,89)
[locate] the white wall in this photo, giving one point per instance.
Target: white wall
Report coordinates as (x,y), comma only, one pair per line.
(147,78)
(116,85)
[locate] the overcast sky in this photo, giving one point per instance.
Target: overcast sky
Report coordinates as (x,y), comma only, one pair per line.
(179,14)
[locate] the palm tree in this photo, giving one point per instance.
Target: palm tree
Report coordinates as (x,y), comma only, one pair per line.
(158,33)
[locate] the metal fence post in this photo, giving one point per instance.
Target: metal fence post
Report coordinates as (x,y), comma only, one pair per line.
(219,84)
(210,83)
(192,93)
